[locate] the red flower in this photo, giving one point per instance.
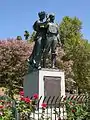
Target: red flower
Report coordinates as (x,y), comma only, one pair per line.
(1,106)
(44,105)
(21,93)
(73,111)
(27,100)
(22,99)
(35,96)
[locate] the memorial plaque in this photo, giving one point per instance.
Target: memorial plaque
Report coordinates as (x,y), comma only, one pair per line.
(52,86)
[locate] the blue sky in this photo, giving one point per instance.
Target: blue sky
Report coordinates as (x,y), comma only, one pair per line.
(19,15)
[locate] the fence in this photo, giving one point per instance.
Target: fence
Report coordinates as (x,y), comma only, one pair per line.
(53,108)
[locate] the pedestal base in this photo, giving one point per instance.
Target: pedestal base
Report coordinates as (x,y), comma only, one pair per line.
(45,82)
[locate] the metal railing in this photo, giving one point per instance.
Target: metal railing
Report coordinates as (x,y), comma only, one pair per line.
(55,109)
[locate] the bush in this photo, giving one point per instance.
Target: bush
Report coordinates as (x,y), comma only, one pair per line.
(13,65)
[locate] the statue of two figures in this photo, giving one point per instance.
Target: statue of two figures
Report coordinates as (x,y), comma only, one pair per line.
(46,39)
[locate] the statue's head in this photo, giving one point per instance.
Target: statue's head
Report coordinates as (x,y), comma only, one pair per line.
(42,15)
(52,17)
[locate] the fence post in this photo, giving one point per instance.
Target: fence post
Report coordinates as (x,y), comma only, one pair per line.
(16,113)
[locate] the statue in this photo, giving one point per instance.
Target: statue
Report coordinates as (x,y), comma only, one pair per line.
(46,38)
(52,39)
(40,38)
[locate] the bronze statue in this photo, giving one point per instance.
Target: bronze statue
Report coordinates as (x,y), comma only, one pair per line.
(40,38)
(52,39)
(46,38)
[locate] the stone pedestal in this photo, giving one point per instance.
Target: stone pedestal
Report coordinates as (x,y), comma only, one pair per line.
(45,82)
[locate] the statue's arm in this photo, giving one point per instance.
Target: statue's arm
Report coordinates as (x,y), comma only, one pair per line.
(35,26)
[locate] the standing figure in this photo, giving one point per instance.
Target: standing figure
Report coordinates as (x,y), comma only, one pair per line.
(40,38)
(52,39)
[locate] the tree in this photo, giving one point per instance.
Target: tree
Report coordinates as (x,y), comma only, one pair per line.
(13,65)
(26,34)
(33,36)
(19,38)
(70,28)
(76,50)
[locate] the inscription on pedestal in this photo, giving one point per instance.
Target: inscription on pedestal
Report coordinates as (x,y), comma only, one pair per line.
(45,83)
(52,86)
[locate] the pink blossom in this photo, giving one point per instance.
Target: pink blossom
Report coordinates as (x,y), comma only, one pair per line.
(27,100)
(21,93)
(22,99)
(44,105)
(35,96)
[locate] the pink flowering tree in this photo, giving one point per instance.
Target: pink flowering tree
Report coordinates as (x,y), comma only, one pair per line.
(13,64)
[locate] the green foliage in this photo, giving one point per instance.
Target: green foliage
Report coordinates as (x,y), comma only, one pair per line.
(6,108)
(26,34)
(76,50)
(24,106)
(19,38)
(75,110)
(32,38)
(27,108)
(69,28)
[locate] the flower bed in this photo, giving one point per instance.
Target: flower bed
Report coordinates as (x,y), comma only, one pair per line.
(26,108)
